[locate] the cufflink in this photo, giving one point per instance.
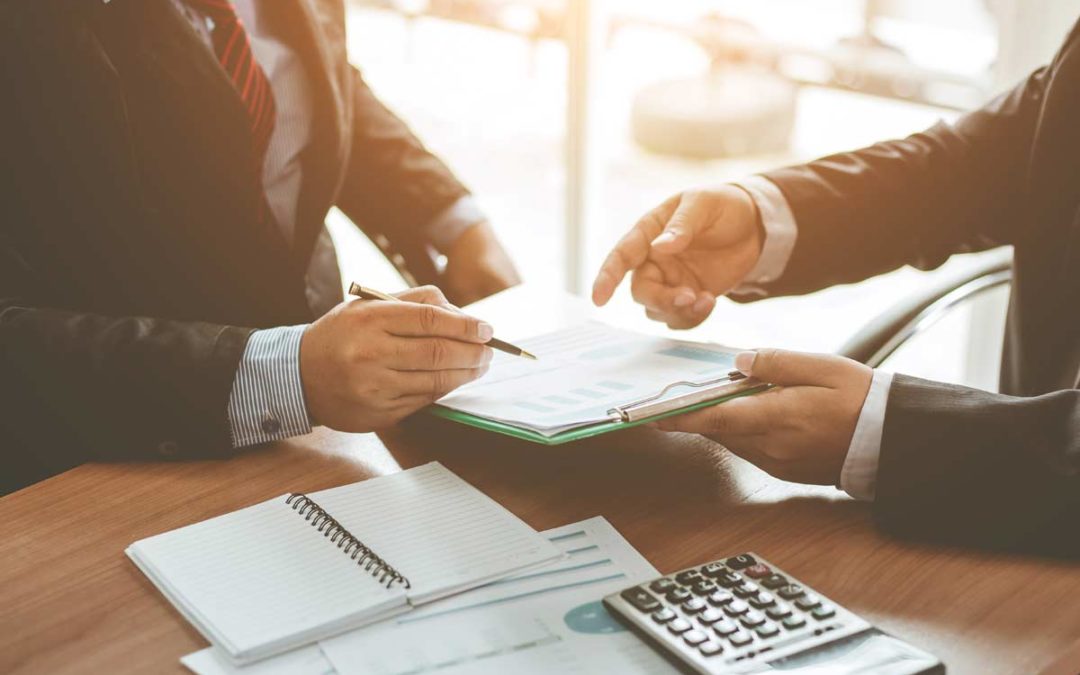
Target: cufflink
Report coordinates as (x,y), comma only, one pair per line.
(270,425)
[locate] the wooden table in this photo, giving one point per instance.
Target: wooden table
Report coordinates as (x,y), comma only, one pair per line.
(71,602)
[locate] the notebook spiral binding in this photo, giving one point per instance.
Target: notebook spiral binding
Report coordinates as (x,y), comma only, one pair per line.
(344,540)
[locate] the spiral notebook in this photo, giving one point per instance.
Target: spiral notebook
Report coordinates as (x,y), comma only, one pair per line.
(299,568)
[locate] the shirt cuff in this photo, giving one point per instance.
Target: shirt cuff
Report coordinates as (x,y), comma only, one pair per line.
(858,477)
(780,233)
(267,399)
(445,228)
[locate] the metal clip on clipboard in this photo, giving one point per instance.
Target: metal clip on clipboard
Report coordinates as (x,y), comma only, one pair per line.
(707,390)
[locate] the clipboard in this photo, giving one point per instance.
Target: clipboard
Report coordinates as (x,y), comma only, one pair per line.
(627,415)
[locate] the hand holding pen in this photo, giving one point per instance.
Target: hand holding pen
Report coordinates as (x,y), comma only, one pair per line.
(367,293)
(366,365)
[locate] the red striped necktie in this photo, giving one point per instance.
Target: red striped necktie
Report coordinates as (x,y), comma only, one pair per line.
(233,48)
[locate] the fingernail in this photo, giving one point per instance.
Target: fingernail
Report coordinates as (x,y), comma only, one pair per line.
(488,355)
(744,361)
(684,299)
(484,331)
(702,305)
(664,238)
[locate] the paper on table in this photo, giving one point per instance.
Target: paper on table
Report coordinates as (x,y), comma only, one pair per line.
(562,628)
(582,373)
(593,552)
(304,661)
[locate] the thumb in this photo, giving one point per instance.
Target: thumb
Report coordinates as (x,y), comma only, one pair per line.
(788,369)
(680,228)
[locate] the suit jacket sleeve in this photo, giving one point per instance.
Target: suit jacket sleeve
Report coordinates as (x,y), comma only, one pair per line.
(953,188)
(393,182)
(962,466)
(79,387)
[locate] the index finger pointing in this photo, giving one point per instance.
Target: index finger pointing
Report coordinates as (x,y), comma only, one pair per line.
(409,319)
(631,251)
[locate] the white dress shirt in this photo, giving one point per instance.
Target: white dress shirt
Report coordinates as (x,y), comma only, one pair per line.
(858,477)
(267,398)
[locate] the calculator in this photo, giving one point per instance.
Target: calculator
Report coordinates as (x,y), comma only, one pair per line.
(745,615)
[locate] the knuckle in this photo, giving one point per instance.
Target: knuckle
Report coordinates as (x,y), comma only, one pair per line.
(439,384)
(428,318)
(437,353)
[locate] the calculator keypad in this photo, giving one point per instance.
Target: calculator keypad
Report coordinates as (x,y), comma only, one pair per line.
(731,609)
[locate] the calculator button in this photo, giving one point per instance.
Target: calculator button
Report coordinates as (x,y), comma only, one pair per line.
(740,561)
(728,579)
(725,627)
(679,626)
(735,608)
(710,616)
(757,571)
(693,605)
(752,618)
(808,602)
(793,622)
(774,581)
(662,585)
(791,591)
(641,599)
(767,630)
(663,616)
(762,600)
(703,587)
(780,611)
(746,589)
(710,648)
(720,598)
(688,577)
(678,595)
(695,637)
(741,638)
(824,612)
(713,570)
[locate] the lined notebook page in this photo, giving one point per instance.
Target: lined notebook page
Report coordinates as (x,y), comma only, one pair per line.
(440,532)
(259,576)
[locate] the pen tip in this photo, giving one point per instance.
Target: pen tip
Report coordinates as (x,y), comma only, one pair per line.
(528,355)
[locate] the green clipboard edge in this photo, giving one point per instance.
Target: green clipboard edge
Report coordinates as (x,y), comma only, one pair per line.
(579,433)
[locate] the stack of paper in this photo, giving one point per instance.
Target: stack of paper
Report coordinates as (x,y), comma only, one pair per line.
(546,620)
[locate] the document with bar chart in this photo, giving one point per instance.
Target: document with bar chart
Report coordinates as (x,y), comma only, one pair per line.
(592,378)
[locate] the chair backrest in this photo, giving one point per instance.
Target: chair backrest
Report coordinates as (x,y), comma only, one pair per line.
(889,331)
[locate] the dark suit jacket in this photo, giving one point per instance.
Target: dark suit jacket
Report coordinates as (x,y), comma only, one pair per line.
(133,266)
(959,465)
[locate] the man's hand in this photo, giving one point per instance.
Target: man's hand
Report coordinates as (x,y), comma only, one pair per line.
(367,364)
(799,431)
(477,266)
(695,246)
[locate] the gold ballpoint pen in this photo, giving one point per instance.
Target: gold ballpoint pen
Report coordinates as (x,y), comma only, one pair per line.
(366,293)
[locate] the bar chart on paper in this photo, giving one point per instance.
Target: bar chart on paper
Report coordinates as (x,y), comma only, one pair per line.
(584,372)
(549,620)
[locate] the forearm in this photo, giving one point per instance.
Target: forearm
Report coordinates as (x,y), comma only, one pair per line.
(962,466)
(915,201)
(84,387)
(393,182)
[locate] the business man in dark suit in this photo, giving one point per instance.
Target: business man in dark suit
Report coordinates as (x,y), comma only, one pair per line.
(167,286)
(940,462)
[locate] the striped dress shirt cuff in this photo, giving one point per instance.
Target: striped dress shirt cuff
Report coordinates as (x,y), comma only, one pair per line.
(267,399)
